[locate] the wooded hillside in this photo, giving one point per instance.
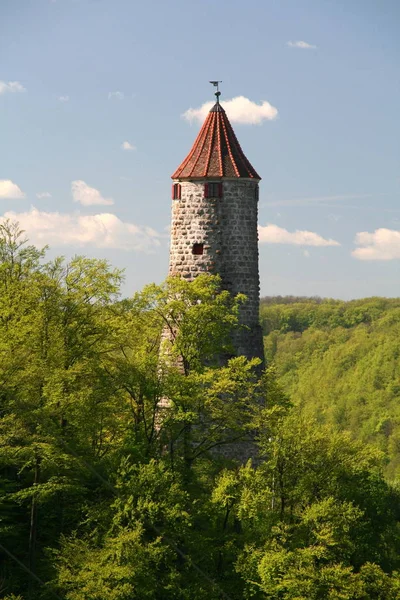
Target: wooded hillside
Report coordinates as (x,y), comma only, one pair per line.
(339,363)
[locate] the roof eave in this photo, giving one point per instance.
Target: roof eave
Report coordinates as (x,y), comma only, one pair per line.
(175,177)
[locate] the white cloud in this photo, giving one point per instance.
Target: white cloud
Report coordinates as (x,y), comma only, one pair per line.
(272,234)
(239,110)
(116,95)
(63,98)
(88,196)
(41,195)
(302,44)
(382,244)
(8,189)
(11,86)
(127,146)
(104,230)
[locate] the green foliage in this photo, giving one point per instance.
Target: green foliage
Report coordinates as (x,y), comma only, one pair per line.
(314,515)
(338,362)
(121,569)
(197,318)
(120,421)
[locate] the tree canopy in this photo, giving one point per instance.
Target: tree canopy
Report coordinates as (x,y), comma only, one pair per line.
(122,437)
(339,363)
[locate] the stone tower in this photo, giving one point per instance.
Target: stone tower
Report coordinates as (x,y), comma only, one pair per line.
(214,221)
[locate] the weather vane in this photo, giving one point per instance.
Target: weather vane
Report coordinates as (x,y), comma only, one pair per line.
(216,84)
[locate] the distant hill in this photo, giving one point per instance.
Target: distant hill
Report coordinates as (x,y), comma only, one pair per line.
(340,363)
(292,300)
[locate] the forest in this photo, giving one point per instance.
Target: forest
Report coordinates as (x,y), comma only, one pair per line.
(122,435)
(339,364)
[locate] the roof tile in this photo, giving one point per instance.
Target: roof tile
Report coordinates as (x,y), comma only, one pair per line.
(216,151)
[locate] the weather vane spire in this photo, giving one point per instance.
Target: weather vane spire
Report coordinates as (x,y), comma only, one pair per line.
(217,93)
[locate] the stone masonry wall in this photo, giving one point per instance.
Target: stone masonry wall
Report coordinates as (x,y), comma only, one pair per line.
(227,227)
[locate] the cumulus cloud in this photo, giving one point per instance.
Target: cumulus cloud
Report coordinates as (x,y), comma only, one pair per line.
(272,234)
(11,86)
(63,98)
(8,189)
(127,146)
(239,110)
(104,230)
(41,195)
(86,195)
(382,244)
(302,44)
(117,95)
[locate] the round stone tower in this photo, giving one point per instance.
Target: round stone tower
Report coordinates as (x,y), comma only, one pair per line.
(214,221)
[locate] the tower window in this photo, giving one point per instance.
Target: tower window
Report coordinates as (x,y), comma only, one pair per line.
(176,191)
(213,190)
(198,249)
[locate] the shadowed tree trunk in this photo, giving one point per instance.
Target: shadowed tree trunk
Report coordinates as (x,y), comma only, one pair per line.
(34,515)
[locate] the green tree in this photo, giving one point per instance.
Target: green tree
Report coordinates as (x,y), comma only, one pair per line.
(55,403)
(314,515)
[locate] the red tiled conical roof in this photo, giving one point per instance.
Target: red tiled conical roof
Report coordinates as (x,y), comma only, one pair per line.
(216,151)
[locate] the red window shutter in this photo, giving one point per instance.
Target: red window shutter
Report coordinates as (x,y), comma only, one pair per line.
(220,190)
(176,191)
(206,190)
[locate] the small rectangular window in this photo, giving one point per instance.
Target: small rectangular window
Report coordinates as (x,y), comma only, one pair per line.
(176,191)
(213,190)
(198,249)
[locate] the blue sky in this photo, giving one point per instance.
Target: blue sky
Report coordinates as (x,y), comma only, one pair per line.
(92,94)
